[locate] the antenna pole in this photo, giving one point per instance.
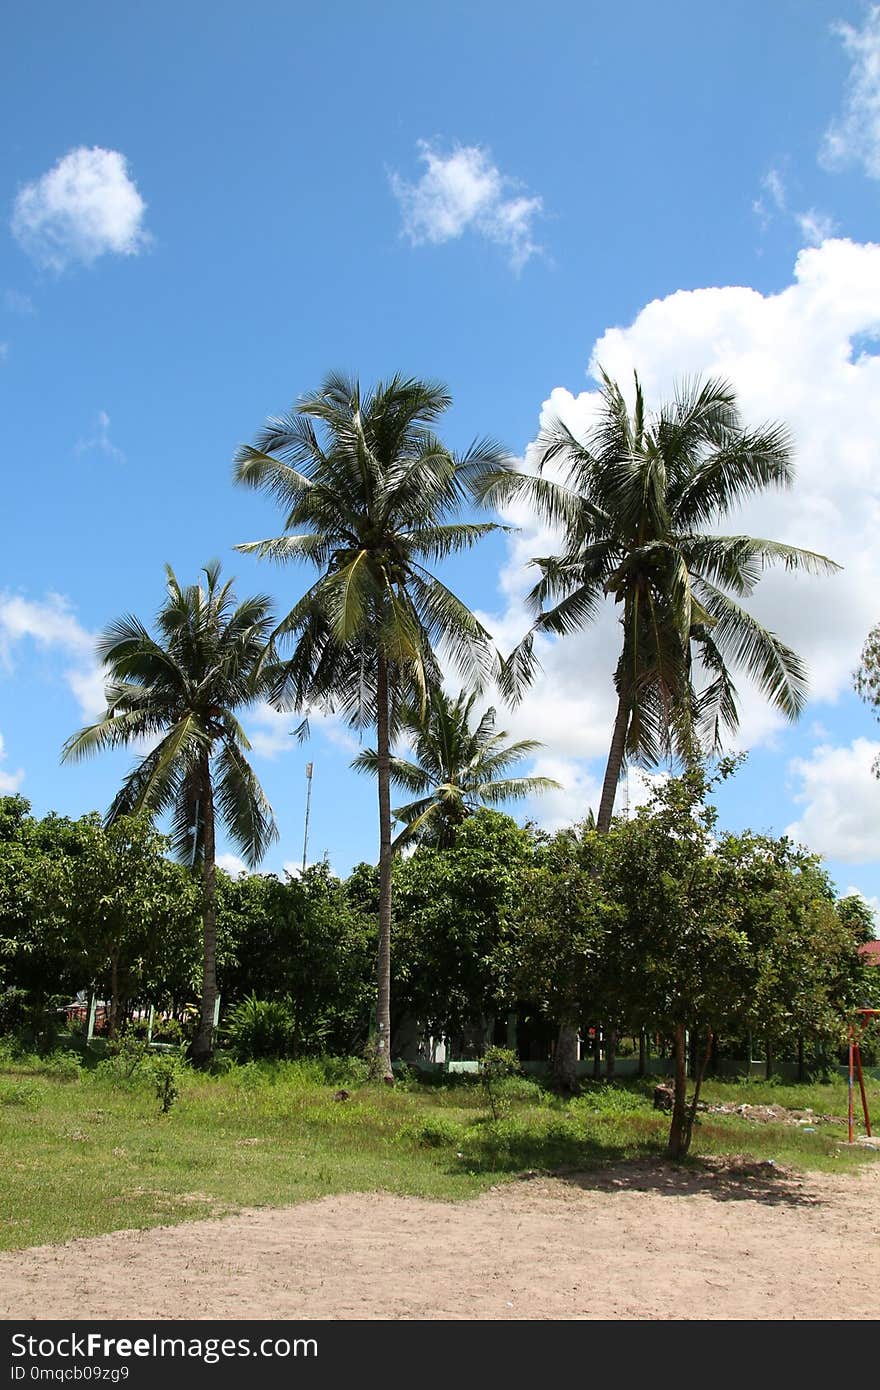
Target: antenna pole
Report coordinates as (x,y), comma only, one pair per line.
(310,767)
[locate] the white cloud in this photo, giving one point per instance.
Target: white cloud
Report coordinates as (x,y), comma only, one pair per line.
(840,797)
(580,789)
(872,901)
(271,731)
(464,191)
(232,864)
(790,356)
(813,225)
(86,206)
(99,440)
(51,624)
(9,781)
(854,137)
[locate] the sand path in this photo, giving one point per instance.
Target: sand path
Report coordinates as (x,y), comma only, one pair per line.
(642,1240)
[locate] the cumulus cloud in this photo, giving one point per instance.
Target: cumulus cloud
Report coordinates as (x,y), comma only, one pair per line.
(51,624)
(9,781)
(854,136)
(99,440)
(464,191)
(85,207)
(579,791)
(800,356)
(870,898)
(232,864)
(840,797)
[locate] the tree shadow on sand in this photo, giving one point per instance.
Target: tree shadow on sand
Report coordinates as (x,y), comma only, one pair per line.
(727,1179)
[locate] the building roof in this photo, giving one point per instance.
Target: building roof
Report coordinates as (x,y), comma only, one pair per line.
(871,952)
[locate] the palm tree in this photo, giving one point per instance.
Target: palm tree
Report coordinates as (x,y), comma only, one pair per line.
(370,495)
(633,505)
(457,768)
(182,691)
(634,501)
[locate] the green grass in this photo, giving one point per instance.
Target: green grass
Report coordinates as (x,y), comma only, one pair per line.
(86,1152)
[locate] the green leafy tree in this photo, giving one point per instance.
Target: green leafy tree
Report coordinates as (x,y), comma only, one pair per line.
(304,943)
(35,969)
(370,497)
(559,955)
(456,767)
(637,505)
(454,910)
(183,691)
(108,900)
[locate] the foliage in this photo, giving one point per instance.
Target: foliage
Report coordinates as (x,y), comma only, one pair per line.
(370,495)
(497,1064)
(260,1028)
(638,501)
(866,678)
(559,952)
(166,1079)
(182,691)
(454,908)
(303,941)
(116,905)
(455,768)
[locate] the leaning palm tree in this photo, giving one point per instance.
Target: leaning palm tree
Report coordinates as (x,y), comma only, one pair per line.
(370,497)
(182,691)
(634,503)
(456,768)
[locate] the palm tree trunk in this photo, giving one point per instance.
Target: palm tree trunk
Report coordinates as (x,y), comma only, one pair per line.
(203,1043)
(382,1044)
(566,1043)
(614,764)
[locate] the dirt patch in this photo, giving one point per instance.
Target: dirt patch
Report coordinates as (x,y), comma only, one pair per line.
(640,1240)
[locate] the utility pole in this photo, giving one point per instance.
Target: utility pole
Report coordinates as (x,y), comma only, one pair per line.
(310,767)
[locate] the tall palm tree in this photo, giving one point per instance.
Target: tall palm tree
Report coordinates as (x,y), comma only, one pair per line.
(182,691)
(634,503)
(457,768)
(370,497)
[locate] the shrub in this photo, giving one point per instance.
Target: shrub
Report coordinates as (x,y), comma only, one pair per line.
(260,1028)
(434,1133)
(609,1100)
(497,1064)
(25,1094)
(166,1075)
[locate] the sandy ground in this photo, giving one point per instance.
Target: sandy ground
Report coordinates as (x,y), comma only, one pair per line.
(637,1241)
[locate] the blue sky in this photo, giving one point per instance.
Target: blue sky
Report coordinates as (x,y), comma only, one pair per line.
(204,208)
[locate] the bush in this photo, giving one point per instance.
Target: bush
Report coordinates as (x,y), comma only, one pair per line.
(497,1064)
(260,1028)
(609,1100)
(166,1075)
(25,1094)
(64,1066)
(14,1010)
(434,1133)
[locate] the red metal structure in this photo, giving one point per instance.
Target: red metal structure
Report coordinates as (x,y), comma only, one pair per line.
(855,1066)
